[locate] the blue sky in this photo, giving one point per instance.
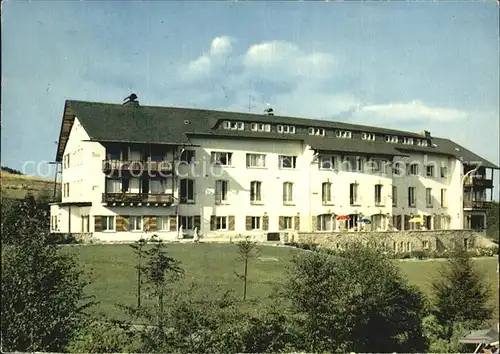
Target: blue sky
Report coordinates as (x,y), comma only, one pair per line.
(404,65)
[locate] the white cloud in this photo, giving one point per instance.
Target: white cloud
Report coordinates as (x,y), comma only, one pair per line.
(204,65)
(280,60)
(221,45)
(413,110)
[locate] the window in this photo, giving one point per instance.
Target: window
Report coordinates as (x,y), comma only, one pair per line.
(316,131)
(375,165)
(286,129)
(187,222)
(378,194)
(353,193)
(126,184)
(349,163)
(163,223)
(344,134)
(85,223)
(429,171)
(397,168)
(255,191)
(407,141)
(222,158)
(112,153)
(188,156)
(113,185)
(444,172)
(158,153)
(260,127)
(444,200)
(324,222)
(233,125)
(256,223)
(394,196)
(326,192)
(66,190)
(221,188)
(256,160)
(360,163)
(157,185)
(288,223)
(53,223)
(287,161)
(221,223)
(135,223)
(368,136)
(187,191)
(391,139)
(414,169)
(425,244)
(108,223)
(287,192)
(66,161)
(327,162)
(411,196)
(421,142)
(428,197)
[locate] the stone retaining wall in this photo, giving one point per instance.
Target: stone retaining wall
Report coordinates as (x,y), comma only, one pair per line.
(400,241)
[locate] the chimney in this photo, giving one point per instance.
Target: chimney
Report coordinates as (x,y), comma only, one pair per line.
(269,111)
(131,100)
(426,134)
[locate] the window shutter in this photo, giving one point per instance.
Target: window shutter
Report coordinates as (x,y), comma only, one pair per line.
(119,223)
(314,220)
(282,223)
(97,224)
(213,223)
(265,223)
(297,222)
(231,223)
(197,222)
(173,223)
(152,223)
(125,223)
(248,223)
(146,223)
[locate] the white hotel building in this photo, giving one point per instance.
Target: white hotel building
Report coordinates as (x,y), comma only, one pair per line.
(131,171)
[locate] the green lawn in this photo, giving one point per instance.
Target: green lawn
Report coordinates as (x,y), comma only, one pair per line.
(208,265)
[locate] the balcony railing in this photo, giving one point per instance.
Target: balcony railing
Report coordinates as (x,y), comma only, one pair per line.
(478,182)
(476,204)
(136,165)
(136,198)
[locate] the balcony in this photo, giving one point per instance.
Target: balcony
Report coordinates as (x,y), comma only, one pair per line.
(138,199)
(477,204)
(478,182)
(109,166)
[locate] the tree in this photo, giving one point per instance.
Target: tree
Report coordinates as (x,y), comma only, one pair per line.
(492,221)
(43,301)
(461,292)
(246,251)
(160,270)
(138,248)
(357,301)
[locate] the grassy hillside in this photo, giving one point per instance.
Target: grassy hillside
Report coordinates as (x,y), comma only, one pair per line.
(114,279)
(18,186)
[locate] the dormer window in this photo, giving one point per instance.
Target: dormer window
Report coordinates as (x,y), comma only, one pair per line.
(316,131)
(233,125)
(286,129)
(421,142)
(368,136)
(407,141)
(260,127)
(391,139)
(344,134)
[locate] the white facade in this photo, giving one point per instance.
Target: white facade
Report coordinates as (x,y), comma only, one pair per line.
(316,196)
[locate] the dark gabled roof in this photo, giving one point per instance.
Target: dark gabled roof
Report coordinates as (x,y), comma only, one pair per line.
(107,122)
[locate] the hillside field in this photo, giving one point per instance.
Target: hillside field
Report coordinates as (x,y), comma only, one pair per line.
(114,279)
(16,186)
